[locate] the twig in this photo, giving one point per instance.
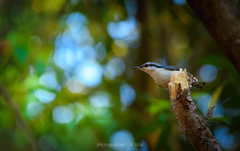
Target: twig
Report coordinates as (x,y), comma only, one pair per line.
(20,119)
(210,111)
(205,120)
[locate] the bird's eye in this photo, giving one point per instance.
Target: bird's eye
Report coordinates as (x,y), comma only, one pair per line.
(145,65)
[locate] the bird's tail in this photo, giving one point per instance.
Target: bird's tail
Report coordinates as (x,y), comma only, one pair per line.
(200,85)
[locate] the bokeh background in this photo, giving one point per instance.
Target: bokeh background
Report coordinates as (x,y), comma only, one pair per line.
(67,64)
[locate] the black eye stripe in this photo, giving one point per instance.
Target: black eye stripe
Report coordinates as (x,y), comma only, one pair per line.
(151,65)
(145,65)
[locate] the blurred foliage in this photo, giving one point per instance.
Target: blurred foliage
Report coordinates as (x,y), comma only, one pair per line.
(67,65)
(216,94)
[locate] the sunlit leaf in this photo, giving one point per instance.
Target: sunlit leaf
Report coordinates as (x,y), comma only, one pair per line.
(196,94)
(54,5)
(31,82)
(216,94)
(159,106)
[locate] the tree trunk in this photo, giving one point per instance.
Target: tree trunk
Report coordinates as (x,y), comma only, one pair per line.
(193,125)
(222,19)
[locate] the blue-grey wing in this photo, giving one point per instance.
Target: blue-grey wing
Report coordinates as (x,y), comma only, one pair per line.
(172,68)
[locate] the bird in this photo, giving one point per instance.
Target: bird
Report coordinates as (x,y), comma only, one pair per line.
(162,73)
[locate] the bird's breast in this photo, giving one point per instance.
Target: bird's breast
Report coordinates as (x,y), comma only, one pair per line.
(162,77)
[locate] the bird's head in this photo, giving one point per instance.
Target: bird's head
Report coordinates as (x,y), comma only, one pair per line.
(148,67)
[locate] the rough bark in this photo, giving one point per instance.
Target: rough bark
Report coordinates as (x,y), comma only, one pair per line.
(193,125)
(222,19)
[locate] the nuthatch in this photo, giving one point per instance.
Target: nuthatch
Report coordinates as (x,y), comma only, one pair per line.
(161,74)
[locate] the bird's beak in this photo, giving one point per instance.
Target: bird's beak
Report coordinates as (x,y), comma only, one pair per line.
(136,67)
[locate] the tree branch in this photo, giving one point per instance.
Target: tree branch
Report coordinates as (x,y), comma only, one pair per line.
(20,119)
(222,19)
(192,124)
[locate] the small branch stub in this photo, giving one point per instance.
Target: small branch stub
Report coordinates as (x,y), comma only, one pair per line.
(209,113)
(185,110)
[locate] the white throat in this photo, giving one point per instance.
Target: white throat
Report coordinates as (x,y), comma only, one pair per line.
(160,75)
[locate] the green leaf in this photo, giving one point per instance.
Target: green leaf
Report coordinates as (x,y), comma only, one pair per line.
(21,55)
(196,94)
(159,106)
(39,66)
(216,94)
